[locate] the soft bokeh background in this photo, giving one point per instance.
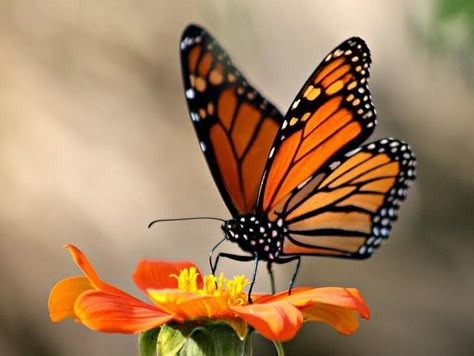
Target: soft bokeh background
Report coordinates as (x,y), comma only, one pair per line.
(95,142)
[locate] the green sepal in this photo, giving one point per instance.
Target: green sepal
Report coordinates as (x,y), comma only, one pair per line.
(147,342)
(172,338)
(195,339)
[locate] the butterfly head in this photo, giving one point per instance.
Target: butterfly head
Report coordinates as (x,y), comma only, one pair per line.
(256,235)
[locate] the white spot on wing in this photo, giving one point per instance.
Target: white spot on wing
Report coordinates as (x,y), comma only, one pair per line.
(295,104)
(272,151)
(190,93)
(303,183)
(203,146)
(334,165)
(194,116)
(353,152)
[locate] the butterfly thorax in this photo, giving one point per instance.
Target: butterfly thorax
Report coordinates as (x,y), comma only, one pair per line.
(257,235)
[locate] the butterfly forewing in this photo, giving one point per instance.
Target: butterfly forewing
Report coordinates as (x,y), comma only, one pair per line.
(348,209)
(332,113)
(235,125)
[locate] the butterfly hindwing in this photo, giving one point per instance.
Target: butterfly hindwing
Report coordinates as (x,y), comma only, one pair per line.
(332,113)
(235,125)
(348,209)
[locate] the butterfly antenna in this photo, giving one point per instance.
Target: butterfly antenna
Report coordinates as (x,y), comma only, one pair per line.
(185,219)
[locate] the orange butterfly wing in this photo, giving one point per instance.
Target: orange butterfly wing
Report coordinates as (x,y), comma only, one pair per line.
(348,209)
(235,125)
(332,113)
(304,171)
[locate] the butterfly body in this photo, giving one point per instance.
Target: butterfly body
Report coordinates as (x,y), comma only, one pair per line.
(257,235)
(301,183)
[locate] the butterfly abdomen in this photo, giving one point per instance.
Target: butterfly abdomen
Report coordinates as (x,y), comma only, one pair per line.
(256,234)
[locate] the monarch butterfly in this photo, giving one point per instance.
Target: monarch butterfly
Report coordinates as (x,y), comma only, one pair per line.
(298,184)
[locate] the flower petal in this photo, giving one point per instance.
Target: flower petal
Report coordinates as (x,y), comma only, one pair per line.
(152,274)
(349,298)
(188,305)
(114,313)
(267,298)
(83,263)
(86,267)
(345,321)
(275,321)
(169,300)
(207,307)
(63,296)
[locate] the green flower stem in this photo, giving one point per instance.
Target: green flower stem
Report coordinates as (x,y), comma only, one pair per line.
(279,347)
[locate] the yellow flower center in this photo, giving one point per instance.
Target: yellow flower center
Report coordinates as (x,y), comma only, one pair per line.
(231,289)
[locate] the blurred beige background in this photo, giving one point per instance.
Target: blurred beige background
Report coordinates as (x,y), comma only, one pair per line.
(95,142)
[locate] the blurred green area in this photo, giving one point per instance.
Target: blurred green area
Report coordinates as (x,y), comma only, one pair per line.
(450,33)
(96,142)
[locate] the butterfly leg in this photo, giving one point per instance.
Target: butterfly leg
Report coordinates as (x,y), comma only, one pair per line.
(295,273)
(255,267)
(241,259)
(214,266)
(281,260)
(231,257)
(272,278)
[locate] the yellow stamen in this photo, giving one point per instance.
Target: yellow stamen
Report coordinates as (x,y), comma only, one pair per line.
(187,279)
(232,289)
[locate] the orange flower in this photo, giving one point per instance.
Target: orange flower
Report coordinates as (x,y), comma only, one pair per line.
(179,293)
